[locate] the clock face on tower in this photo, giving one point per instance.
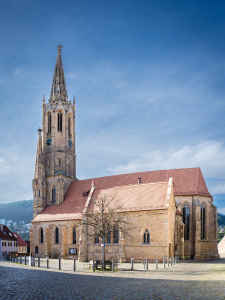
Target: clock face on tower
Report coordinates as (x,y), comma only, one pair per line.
(70,143)
(48,142)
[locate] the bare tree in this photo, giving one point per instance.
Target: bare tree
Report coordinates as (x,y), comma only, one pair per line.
(103,218)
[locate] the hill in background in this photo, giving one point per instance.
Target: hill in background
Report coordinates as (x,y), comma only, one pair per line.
(17,211)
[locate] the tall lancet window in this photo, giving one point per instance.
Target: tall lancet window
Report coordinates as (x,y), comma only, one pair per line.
(74,235)
(203,221)
(69,127)
(186,221)
(53,194)
(59,121)
(56,235)
(146,238)
(49,122)
(41,236)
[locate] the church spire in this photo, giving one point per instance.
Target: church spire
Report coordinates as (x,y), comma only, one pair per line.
(58,91)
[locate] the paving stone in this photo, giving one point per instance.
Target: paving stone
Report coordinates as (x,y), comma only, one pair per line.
(185,280)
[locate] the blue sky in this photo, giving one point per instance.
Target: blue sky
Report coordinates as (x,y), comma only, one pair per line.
(149,81)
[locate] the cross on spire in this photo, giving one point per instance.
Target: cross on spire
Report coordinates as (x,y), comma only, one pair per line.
(59,47)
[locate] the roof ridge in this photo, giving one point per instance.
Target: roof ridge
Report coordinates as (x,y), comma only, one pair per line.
(130,185)
(165,170)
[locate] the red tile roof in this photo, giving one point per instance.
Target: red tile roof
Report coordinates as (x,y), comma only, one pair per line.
(149,196)
(21,242)
(6,234)
(185,181)
(178,212)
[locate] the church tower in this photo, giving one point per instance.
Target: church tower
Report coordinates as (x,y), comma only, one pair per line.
(55,165)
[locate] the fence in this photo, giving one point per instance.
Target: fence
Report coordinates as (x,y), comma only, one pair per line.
(68,265)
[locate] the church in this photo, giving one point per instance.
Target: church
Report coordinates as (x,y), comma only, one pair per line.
(172,211)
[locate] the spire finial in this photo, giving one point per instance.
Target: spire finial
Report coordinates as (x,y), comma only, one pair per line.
(39,130)
(59,47)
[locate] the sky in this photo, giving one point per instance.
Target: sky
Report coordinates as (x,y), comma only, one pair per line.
(149,82)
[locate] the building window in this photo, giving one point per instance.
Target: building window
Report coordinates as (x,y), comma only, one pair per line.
(97,239)
(69,126)
(108,236)
(146,237)
(49,122)
(39,193)
(115,235)
(53,194)
(36,249)
(59,161)
(41,236)
(186,221)
(74,235)
(59,121)
(56,235)
(203,221)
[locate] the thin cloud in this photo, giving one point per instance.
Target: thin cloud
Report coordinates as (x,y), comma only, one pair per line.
(210,156)
(17,71)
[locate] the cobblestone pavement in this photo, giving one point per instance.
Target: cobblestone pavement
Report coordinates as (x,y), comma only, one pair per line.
(185,280)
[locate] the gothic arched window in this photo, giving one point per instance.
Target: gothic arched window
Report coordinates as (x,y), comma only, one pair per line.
(59,121)
(39,193)
(203,221)
(108,236)
(41,236)
(53,194)
(186,221)
(115,235)
(69,126)
(49,122)
(146,237)
(74,235)
(36,250)
(97,239)
(56,235)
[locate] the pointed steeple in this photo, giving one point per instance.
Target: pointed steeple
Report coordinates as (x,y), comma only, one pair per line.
(58,91)
(39,167)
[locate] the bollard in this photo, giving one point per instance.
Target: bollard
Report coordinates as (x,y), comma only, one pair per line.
(30,257)
(171,261)
(59,263)
(132,263)
(146,263)
(93,266)
(25,262)
(168,261)
(156,262)
(164,262)
(39,261)
(47,263)
(74,264)
(17,259)
(112,265)
(20,260)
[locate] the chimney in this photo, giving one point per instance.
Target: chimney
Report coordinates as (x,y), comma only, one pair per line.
(1,227)
(139,180)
